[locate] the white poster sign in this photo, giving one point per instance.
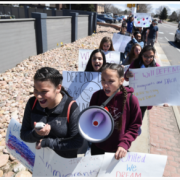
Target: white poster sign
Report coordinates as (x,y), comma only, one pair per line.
(133,165)
(133,11)
(156,86)
(50,164)
(84,54)
(82,85)
(142,19)
(120,41)
(22,151)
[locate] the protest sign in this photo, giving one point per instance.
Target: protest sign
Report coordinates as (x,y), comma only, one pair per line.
(50,164)
(22,151)
(82,85)
(84,54)
(142,19)
(133,165)
(120,41)
(156,86)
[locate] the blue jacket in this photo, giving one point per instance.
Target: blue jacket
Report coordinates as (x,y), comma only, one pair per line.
(131,43)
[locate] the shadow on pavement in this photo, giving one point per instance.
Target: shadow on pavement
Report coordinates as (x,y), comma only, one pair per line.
(176,45)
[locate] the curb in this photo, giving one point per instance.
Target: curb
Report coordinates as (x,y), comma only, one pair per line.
(163,60)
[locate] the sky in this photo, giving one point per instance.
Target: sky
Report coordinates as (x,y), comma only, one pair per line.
(173,7)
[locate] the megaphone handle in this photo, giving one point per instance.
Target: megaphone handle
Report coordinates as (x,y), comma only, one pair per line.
(107,100)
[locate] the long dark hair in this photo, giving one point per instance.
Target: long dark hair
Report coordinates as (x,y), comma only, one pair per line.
(89,66)
(120,72)
(50,74)
(139,61)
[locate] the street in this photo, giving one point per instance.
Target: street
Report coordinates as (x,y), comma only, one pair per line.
(166,40)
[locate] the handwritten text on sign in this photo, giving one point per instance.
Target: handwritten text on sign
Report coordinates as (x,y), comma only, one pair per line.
(49,164)
(22,151)
(142,20)
(84,54)
(82,85)
(133,165)
(156,86)
(120,41)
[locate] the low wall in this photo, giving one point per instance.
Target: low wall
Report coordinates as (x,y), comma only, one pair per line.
(82,26)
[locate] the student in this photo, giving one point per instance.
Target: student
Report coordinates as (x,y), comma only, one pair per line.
(136,38)
(134,53)
(130,24)
(123,32)
(145,60)
(96,61)
(152,33)
(106,44)
(51,108)
(126,113)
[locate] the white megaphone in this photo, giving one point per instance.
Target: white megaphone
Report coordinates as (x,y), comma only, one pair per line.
(95,123)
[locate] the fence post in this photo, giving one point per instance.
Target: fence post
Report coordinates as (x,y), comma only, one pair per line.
(41,31)
(90,30)
(94,22)
(54,11)
(74,26)
(26,11)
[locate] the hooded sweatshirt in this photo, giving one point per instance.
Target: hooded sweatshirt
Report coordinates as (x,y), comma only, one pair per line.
(131,119)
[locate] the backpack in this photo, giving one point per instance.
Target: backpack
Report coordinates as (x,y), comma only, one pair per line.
(34,100)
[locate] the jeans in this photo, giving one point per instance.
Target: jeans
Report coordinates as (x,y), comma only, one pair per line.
(151,42)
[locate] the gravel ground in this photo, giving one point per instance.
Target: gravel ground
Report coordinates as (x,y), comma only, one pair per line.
(16,87)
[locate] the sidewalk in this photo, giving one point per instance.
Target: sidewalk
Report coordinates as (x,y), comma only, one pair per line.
(161,126)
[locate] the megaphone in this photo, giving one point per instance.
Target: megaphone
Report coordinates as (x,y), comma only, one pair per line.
(95,123)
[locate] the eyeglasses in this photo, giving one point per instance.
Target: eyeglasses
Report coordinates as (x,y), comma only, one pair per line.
(148,57)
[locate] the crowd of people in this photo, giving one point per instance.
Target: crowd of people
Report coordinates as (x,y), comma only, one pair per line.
(52,105)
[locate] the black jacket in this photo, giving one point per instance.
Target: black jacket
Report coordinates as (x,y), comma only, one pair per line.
(60,128)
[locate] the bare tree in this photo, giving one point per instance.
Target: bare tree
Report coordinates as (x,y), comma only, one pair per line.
(107,7)
(178,14)
(160,9)
(144,8)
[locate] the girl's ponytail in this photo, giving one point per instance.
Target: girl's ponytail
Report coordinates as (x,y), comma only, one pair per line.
(63,89)
(122,88)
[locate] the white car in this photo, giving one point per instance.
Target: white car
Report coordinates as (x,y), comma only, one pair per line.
(177,35)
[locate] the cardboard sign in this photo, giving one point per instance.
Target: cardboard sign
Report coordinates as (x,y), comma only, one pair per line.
(120,41)
(22,151)
(50,164)
(133,165)
(82,85)
(84,54)
(156,86)
(142,19)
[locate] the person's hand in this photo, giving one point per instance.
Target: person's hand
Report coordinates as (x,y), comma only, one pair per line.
(38,144)
(129,74)
(44,131)
(120,153)
(165,105)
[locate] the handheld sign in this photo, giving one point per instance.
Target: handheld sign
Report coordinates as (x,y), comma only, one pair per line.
(142,19)
(157,85)
(22,151)
(120,41)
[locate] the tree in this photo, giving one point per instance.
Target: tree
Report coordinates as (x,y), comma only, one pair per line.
(163,14)
(173,16)
(160,9)
(125,11)
(107,7)
(178,14)
(144,8)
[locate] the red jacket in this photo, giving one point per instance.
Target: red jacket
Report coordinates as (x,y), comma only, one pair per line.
(131,119)
(127,79)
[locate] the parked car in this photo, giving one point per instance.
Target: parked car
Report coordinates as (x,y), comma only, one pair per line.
(177,35)
(115,20)
(118,18)
(99,20)
(124,17)
(159,21)
(105,18)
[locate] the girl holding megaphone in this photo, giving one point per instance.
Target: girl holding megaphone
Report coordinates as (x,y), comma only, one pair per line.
(123,107)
